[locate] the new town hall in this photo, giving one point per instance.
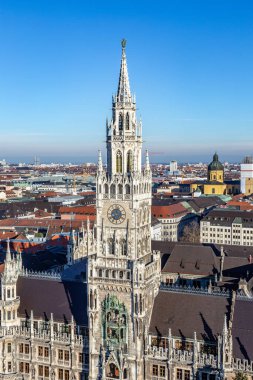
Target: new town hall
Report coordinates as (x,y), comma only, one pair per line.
(109,314)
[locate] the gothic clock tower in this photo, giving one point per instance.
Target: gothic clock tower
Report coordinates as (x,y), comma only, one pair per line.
(123,274)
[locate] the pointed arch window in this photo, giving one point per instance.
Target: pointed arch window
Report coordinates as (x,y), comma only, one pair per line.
(119,162)
(111,247)
(127,121)
(120,122)
(123,246)
(129,161)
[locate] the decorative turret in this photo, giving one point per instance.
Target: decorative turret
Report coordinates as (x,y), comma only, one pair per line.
(100,163)
(147,165)
(9,303)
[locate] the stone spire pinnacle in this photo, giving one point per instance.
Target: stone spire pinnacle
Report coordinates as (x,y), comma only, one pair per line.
(147,161)
(8,252)
(225,329)
(100,164)
(123,94)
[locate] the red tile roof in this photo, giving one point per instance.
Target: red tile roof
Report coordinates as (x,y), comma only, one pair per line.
(169,211)
(241,205)
(27,222)
(8,235)
(86,210)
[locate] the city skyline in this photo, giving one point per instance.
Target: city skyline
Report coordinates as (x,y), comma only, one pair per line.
(189,65)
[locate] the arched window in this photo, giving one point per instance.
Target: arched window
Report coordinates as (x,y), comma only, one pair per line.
(91,299)
(129,161)
(111,247)
(119,162)
(120,122)
(120,189)
(127,121)
(112,371)
(106,189)
(123,247)
(127,189)
(113,189)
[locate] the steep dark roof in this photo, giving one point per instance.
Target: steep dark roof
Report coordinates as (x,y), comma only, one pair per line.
(163,246)
(242,330)
(201,203)
(46,296)
(237,267)
(186,313)
(225,217)
(235,250)
(192,259)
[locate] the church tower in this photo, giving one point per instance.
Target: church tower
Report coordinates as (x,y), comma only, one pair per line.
(123,274)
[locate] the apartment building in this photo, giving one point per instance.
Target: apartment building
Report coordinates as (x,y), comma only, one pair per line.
(226,226)
(173,219)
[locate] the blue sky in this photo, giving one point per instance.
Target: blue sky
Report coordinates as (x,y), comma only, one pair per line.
(190,64)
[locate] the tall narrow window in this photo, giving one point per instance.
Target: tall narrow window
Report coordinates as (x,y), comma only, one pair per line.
(120,122)
(127,121)
(111,247)
(129,161)
(127,189)
(119,162)
(123,247)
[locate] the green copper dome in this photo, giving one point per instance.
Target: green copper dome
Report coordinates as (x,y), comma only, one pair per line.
(215,164)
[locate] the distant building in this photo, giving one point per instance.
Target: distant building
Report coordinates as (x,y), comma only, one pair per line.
(247,175)
(215,183)
(173,166)
(230,227)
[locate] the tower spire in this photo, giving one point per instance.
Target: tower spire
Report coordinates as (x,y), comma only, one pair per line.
(123,94)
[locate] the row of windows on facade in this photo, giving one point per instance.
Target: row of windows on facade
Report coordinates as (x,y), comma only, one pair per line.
(184,345)
(9,314)
(61,328)
(228,230)
(141,189)
(160,370)
(113,274)
(43,351)
(123,122)
(119,162)
(121,247)
(180,374)
(228,236)
(44,371)
(170,227)
(9,293)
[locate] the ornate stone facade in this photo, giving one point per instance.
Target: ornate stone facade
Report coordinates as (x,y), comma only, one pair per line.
(123,271)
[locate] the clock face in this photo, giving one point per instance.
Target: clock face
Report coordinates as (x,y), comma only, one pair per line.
(116,214)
